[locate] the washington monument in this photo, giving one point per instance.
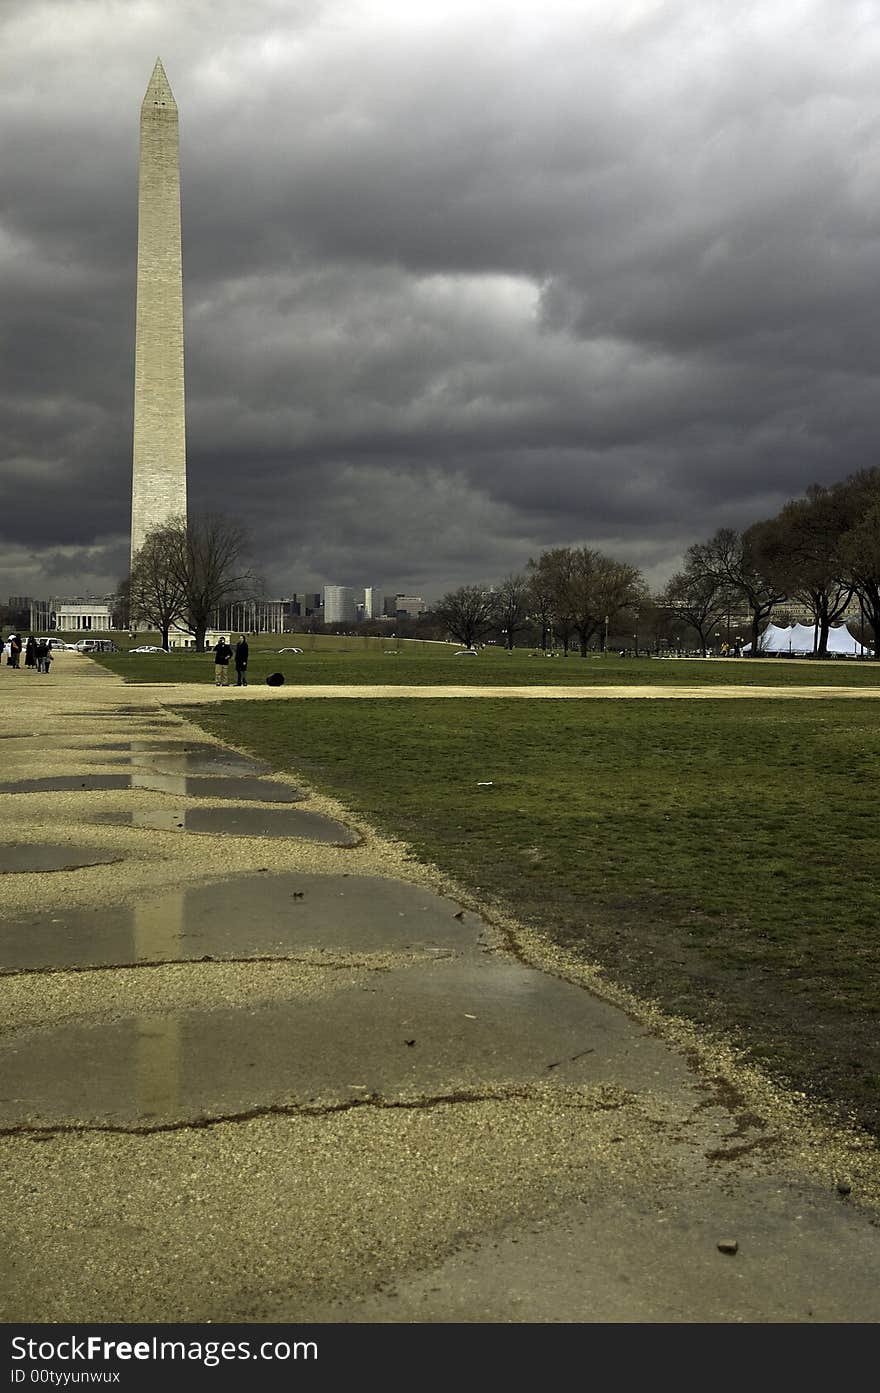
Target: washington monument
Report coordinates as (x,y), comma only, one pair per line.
(158,482)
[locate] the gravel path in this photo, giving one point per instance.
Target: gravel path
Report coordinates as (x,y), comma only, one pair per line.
(270,1079)
(192,694)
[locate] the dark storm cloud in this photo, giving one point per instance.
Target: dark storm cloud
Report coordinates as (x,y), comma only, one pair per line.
(459,284)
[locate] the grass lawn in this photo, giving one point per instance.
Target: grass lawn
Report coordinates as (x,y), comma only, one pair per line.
(721,857)
(435,663)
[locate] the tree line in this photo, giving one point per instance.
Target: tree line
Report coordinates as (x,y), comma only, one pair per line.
(821,552)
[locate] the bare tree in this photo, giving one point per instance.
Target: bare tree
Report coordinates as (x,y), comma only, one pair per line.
(121,612)
(860,543)
(204,556)
(541,601)
(697,598)
(799,551)
(550,583)
(156,596)
(512,606)
(618,587)
(468,613)
(732,559)
(590,588)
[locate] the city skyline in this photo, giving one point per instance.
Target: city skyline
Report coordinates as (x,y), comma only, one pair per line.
(459,286)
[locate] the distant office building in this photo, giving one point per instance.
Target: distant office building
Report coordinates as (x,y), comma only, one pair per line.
(306,604)
(374,603)
(340,606)
(409,606)
(19,603)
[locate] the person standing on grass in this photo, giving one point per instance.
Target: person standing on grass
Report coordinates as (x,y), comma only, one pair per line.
(222,654)
(241,662)
(30,652)
(15,650)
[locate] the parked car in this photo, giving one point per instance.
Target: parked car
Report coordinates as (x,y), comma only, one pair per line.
(96,645)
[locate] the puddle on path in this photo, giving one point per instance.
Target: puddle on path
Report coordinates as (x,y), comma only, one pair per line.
(34,858)
(218,757)
(236,786)
(204,759)
(240,786)
(63,783)
(132,724)
(76,741)
(448,1025)
(250,916)
(30,753)
(238,822)
(129,712)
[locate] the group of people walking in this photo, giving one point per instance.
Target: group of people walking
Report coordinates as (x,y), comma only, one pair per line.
(222,656)
(37,652)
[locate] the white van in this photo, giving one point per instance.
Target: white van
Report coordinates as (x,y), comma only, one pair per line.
(96,645)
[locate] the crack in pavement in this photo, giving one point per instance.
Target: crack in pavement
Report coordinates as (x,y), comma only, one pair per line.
(609,1100)
(733,1153)
(332,964)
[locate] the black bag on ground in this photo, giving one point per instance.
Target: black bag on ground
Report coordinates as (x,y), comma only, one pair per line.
(275,679)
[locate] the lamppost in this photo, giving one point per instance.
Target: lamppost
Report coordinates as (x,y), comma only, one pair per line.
(605,644)
(636,635)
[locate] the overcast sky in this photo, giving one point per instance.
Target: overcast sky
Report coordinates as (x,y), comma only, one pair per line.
(461,281)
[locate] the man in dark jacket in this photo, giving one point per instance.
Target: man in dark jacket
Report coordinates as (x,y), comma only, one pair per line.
(241,660)
(222,654)
(43,655)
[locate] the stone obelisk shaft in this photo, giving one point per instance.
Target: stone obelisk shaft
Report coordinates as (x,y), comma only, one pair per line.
(158,487)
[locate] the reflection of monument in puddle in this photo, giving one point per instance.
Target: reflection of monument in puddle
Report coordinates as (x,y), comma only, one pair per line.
(161,783)
(158,932)
(157,926)
(231,785)
(157,1065)
(159,819)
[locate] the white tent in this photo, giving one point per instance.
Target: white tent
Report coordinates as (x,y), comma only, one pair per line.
(801,640)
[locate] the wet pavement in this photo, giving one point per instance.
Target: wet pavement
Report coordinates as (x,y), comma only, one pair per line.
(180,785)
(304,1078)
(33,859)
(253,916)
(196,760)
(435,1028)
